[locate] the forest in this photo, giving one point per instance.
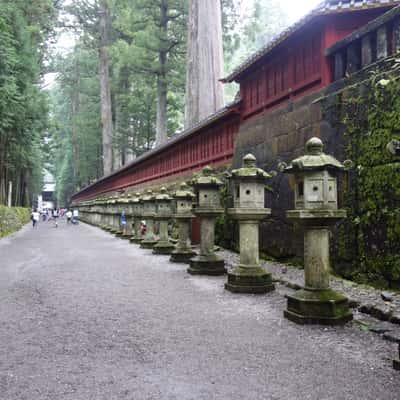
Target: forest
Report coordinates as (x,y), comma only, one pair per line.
(88,85)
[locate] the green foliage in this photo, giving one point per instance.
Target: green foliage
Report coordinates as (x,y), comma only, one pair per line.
(12,219)
(370,239)
(24,29)
(247,26)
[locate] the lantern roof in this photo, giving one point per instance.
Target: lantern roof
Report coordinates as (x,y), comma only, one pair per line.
(149,196)
(163,195)
(184,192)
(250,170)
(207,178)
(314,159)
(136,198)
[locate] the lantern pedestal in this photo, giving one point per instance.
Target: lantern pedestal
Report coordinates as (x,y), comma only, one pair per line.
(183,252)
(149,239)
(316,303)
(163,245)
(207,262)
(396,365)
(325,307)
(137,235)
(249,276)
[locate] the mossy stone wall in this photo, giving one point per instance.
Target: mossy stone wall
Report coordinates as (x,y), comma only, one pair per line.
(12,219)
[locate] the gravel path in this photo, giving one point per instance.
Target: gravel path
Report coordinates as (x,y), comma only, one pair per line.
(87,316)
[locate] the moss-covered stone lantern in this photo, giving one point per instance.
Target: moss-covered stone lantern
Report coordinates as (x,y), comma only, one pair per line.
(208,209)
(163,216)
(126,207)
(183,251)
(103,211)
(249,197)
(118,208)
(110,214)
(316,208)
(149,211)
(136,218)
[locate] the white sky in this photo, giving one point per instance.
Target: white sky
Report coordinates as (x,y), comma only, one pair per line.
(298,8)
(294,8)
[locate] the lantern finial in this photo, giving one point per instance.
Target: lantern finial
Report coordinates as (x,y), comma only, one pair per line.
(314,146)
(249,161)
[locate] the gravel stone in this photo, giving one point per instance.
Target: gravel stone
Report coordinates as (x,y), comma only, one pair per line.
(86,316)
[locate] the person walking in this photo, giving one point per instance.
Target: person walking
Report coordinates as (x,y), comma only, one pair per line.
(56,213)
(123,223)
(75,216)
(69,216)
(35,216)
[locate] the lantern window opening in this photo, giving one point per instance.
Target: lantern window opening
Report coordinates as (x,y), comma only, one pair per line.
(300,188)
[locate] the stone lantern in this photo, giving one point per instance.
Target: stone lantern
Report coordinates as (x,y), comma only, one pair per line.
(137,212)
(208,209)
(249,196)
(126,206)
(110,216)
(163,215)
(316,209)
(103,213)
(184,202)
(116,212)
(149,211)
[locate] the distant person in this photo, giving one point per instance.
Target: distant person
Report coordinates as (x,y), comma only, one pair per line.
(35,216)
(69,216)
(143,228)
(123,222)
(56,213)
(75,215)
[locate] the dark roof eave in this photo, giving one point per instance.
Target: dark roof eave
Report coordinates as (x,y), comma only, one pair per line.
(231,108)
(371,26)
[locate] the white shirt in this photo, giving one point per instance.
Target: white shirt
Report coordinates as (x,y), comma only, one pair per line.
(76,213)
(36,216)
(69,214)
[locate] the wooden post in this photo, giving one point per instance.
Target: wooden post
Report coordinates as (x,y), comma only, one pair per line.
(382,43)
(396,35)
(339,66)
(366,51)
(353,58)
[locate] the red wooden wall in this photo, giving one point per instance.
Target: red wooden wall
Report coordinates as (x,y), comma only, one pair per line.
(213,145)
(298,66)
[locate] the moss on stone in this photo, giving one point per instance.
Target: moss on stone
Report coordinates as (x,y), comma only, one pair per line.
(12,219)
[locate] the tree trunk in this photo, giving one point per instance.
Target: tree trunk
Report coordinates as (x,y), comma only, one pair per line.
(205,65)
(162,86)
(74,125)
(105,91)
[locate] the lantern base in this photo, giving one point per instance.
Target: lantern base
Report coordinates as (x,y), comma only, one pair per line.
(249,279)
(324,307)
(148,243)
(396,365)
(207,265)
(182,256)
(119,234)
(163,247)
(127,236)
(135,239)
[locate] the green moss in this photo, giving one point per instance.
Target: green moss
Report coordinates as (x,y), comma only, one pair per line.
(367,247)
(12,219)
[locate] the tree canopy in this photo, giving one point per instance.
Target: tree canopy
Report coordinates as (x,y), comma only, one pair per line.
(122,80)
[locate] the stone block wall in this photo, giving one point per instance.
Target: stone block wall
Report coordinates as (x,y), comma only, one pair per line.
(278,136)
